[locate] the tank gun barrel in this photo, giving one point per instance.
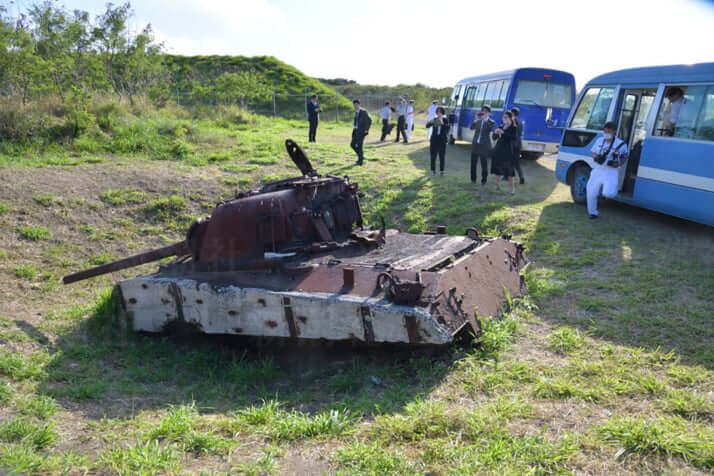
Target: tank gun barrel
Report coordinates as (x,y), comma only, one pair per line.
(177,249)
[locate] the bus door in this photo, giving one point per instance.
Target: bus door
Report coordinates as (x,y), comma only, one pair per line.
(633,120)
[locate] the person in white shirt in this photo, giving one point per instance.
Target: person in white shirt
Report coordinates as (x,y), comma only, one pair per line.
(609,154)
(386,114)
(430,116)
(410,118)
(676,99)
(401,120)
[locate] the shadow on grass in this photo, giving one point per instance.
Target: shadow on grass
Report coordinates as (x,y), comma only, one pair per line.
(634,277)
(112,373)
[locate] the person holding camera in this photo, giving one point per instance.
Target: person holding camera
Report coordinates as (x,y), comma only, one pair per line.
(438,139)
(609,153)
(313,117)
(481,146)
(504,152)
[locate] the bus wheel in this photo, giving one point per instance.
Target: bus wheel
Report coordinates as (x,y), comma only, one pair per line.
(578,187)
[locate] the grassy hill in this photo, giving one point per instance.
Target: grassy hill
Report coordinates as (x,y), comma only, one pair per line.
(287,82)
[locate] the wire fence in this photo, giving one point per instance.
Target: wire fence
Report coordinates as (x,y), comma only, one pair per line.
(294,106)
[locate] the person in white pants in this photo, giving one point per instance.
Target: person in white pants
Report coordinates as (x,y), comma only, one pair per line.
(410,118)
(430,116)
(609,154)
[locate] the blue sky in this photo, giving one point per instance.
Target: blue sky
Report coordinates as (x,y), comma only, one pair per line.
(434,42)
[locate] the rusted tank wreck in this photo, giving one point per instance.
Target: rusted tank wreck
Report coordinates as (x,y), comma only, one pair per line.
(294,260)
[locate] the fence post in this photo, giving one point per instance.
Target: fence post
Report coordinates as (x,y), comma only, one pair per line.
(275,106)
(337,109)
(305,108)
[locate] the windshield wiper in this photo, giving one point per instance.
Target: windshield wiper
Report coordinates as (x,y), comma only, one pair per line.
(522,101)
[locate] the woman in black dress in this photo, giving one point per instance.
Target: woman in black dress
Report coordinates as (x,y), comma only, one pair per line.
(503,155)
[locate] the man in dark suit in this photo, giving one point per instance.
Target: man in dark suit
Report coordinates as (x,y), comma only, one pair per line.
(481,146)
(438,139)
(360,129)
(519,144)
(313,117)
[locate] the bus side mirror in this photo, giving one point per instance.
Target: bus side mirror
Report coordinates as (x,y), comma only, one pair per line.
(549,114)
(443,100)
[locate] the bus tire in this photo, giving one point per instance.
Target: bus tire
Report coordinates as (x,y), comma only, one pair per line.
(578,186)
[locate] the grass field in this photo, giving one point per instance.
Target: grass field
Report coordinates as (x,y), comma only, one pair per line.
(606,367)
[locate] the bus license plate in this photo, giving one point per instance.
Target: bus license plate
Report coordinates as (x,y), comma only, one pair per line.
(536,147)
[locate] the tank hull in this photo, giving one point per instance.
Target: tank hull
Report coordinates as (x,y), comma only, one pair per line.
(338,296)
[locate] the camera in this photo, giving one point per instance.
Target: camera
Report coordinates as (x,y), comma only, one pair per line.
(600,159)
(614,163)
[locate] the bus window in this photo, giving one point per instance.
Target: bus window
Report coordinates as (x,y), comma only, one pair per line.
(592,110)
(695,118)
(705,121)
(491,93)
(496,102)
(454,94)
(469,96)
(504,93)
(544,94)
(478,95)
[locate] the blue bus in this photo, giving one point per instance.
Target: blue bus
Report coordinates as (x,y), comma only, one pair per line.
(544,97)
(665,114)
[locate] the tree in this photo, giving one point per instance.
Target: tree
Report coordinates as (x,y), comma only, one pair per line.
(242,87)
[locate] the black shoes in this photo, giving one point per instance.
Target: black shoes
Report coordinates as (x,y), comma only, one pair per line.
(592,217)
(523,180)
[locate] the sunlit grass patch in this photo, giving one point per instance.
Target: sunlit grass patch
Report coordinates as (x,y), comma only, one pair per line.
(668,436)
(372,458)
(20,367)
(33,233)
(564,340)
(23,430)
(41,407)
(147,457)
(123,196)
(421,419)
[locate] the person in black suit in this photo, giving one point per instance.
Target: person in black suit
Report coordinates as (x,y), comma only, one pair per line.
(360,129)
(438,140)
(313,117)
(503,163)
(481,146)
(519,144)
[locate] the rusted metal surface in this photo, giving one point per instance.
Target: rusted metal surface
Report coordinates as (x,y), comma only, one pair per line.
(293,260)
(177,249)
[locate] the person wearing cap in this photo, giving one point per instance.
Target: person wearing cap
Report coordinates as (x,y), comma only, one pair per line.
(430,115)
(609,154)
(401,120)
(360,129)
(313,117)
(410,118)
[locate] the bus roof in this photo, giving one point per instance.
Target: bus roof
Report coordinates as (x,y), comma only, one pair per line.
(510,73)
(677,73)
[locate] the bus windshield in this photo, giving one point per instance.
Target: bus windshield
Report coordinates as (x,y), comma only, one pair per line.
(544,94)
